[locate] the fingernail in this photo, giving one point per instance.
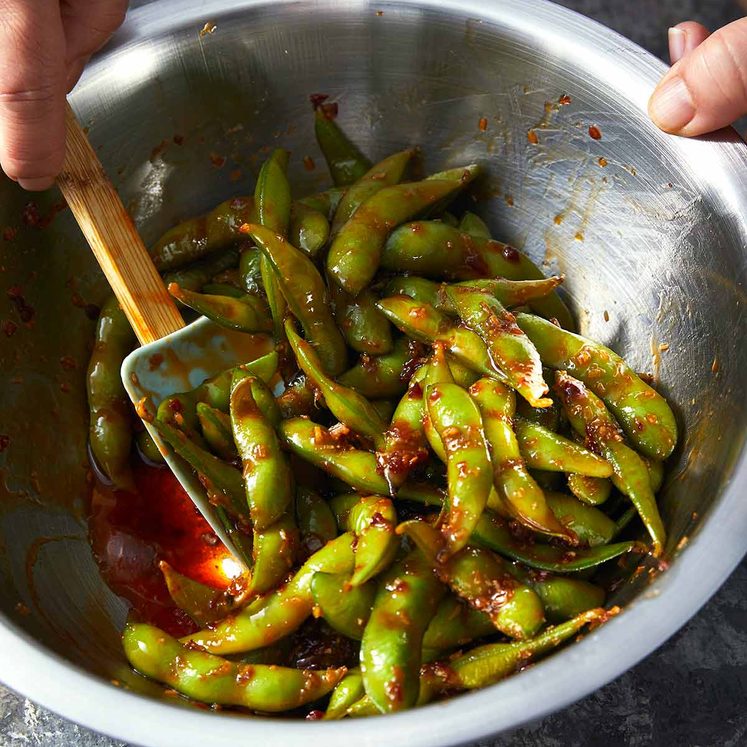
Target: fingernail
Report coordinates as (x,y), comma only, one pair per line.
(671,106)
(36,184)
(677,44)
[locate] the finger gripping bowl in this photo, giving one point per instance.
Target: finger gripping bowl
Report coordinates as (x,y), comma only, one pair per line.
(649,230)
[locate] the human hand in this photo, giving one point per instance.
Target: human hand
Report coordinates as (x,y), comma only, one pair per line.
(706,88)
(44,46)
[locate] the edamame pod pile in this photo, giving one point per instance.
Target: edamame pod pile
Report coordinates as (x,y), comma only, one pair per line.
(430,464)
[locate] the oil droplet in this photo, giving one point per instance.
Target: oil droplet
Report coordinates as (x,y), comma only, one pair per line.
(558,219)
(532,137)
(579,236)
(483,124)
(594,132)
(564,100)
(602,161)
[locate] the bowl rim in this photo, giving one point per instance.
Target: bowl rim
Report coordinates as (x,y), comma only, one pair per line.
(47,678)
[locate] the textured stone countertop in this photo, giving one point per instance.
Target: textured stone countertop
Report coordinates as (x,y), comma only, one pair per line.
(692,691)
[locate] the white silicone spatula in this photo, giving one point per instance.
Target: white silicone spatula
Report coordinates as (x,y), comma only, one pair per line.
(173,357)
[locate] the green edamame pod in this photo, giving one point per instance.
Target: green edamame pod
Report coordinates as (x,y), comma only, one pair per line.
(549,417)
(644,414)
(246,314)
(482,580)
(589,418)
(364,327)
(298,399)
(348,691)
(221,289)
(509,348)
(589,524)
(216,391)
(346,608)
(591,490)
(250,270)
(406,600)
(424,323)
(404,440)
(283,611)
(474,225)
(316,522)
(324,202)
(266,473)
(374,520)
(148,448)
(512,481)
(437,371)
(563,597)
(198,237)
(212,679)
(261,395)
(308,229)
(221,481)
(419,289)
(488,664)
(543,449)
(346,163)
(197,275)
(455,624)
(216,430)
(110,429)
(493,532)
(272,201)
(380,175)
(457,420)
(355,253)
(349,407)
(306,294)
(382,375)
(355,467)
(202,603)
(437,250)
(273,553)
(655,473)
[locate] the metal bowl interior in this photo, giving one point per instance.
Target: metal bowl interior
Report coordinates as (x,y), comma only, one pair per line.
(650,231)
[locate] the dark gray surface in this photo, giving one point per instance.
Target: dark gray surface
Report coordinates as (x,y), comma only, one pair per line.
(691,691)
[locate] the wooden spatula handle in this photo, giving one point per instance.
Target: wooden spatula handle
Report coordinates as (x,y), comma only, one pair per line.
(114,240)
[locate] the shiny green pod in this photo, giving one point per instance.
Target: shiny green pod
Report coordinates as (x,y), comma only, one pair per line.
(306,294)
(406,600)
(543,449)
(345,161)
(381,375)
(212,679)
(198,237)
(439,251)
(272,200)
(216,430)
(382,174)
(644,414)
(266,472)
(348,691)
(509,348)
(246,314)
(283,611)
(512,481)
(589,418)
(373,519)
(349,407)
(345,607)
(308,229)
(110,429)
(364,327)
(273,554)
(355,252)
(589,524)
(469,479)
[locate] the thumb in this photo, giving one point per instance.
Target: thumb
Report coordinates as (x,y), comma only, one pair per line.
(32,91)
(707,88)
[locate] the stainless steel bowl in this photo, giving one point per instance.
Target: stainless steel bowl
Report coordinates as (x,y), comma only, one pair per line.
(652,243)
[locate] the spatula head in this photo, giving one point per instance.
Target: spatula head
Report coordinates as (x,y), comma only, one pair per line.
(180,362)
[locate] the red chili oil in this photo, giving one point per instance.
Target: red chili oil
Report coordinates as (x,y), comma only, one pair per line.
(131,533)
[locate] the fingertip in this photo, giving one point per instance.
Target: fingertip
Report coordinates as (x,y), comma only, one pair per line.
(671,106)
(36,184)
